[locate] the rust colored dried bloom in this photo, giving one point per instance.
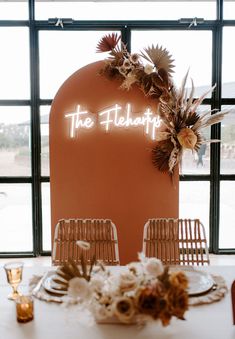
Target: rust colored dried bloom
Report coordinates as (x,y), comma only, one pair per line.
(108,43)
(151,301)
(178,301)
(165,317)
(179,279)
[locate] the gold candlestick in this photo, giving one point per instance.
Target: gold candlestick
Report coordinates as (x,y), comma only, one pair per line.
(24,309)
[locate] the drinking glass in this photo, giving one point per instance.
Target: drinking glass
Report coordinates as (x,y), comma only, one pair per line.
(14,276)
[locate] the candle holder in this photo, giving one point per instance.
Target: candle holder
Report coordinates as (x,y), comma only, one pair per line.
(24,309)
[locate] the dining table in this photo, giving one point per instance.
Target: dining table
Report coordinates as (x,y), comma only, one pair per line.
(56,321)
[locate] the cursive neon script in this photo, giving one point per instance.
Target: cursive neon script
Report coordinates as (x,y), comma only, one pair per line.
(115,116)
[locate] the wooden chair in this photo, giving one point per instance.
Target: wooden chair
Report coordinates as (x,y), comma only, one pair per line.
(176,241)
(101,234)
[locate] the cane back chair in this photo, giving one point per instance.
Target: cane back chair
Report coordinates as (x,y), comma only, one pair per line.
(101,234)
(176,241)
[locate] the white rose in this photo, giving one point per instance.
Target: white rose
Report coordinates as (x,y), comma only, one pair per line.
(78,288)
(154,267)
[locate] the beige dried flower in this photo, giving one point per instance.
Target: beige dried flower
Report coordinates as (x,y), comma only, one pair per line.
(187,138)
(84,245)
(123,308)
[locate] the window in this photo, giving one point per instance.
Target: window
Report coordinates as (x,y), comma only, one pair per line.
(14,63)
(42,45)
(126,10)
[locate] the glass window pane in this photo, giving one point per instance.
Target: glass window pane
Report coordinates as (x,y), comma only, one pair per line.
(14,63)
(194,202)
(198,162)
(229,9)
(186,49)
(57,63)
(14,10)
(125,10)
(228,70)
(15,218)
(227,145)
(44,118)
(15,154)
(227,215)
(46,217)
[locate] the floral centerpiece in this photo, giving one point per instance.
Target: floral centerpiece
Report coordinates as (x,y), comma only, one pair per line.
(151,70)
(142,291)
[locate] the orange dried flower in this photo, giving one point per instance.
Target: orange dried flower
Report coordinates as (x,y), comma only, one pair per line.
(151,301)
(178,279)
(177,301)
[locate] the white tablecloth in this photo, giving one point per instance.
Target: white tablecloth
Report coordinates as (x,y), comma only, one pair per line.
(53,321)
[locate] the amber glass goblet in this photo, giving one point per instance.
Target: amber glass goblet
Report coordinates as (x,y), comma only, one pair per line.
(14,272)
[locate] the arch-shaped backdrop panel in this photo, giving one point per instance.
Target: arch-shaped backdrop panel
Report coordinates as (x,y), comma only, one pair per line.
(96,173)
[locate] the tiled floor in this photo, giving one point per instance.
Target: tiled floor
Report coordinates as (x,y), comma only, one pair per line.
(46,261)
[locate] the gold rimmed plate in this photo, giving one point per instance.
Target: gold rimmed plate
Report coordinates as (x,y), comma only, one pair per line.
(199,282)
(52,285)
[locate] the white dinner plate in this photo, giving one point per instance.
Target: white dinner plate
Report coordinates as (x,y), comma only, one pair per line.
(199,282)
(51,286)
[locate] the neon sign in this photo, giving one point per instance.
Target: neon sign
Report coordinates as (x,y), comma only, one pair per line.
(115,116)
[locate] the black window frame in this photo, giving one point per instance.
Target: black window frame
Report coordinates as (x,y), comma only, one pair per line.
(126,27)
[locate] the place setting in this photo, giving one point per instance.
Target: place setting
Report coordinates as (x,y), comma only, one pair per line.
(24,302)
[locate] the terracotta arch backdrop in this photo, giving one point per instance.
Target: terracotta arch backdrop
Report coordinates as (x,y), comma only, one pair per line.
(99,174)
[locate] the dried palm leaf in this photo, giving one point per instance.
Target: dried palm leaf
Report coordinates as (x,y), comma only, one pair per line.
(181,92)
(161,154)
(108,43)
(175,155)
(162,136)
(191,118)
(160,57)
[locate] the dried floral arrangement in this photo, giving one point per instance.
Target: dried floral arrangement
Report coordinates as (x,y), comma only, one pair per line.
(178,111)
(144,291)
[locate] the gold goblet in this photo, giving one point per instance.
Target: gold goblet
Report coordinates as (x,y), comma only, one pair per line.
(14,276)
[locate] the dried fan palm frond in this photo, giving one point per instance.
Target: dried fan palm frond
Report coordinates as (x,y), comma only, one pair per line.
(108,43)
(191,118)
(70,270)
(161,154)
(160,57)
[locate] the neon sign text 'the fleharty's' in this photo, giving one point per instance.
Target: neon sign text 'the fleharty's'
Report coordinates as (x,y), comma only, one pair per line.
(115,116)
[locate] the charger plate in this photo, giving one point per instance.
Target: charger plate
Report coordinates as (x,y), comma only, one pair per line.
(199,282)
(51,286)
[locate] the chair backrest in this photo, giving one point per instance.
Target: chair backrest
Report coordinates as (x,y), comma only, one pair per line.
(101,234)
(176,241)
